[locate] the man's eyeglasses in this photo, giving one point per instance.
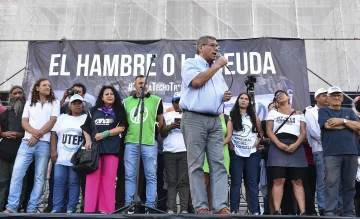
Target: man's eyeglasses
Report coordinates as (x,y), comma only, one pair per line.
(213,45)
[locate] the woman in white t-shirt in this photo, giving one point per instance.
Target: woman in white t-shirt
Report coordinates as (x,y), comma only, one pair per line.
(66,138)
(244,154)
(286,158)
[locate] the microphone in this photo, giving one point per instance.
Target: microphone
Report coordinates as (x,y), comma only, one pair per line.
(218,55)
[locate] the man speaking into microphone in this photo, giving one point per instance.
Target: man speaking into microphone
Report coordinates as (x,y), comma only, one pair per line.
(203,91)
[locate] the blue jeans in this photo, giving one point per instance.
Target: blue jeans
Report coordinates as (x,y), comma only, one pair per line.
(320,179)
(237,166)
(64,175)
(25,155)
(340,169)
(149,158)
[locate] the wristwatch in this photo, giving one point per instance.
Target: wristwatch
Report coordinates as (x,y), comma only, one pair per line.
(345,121)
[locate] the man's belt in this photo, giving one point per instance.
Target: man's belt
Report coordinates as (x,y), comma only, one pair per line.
(203,114)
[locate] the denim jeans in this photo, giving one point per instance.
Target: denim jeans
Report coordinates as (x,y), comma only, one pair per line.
(65,176)
(237,166)
(320,179)
(149,158)
(340,169)
(41,153)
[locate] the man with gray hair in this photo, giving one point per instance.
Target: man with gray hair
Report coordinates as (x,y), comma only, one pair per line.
(203,92)
(11,134)
(340,148)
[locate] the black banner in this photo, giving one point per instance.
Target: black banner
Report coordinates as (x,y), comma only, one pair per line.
(277,64)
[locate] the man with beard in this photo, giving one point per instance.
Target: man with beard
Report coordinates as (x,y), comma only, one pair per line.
(12,132)
(38,118)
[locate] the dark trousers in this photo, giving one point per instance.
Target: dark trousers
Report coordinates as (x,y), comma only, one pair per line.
(309,183)
(161,192)
(251,166)
(6,169)
(178,181)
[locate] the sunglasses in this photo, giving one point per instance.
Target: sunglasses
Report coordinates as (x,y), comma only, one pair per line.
(280,94)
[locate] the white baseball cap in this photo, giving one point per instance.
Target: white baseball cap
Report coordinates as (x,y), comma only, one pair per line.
(320,91)
(76,97)
(334,90)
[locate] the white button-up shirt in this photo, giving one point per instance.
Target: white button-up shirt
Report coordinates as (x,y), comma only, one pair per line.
(313,131)
(206,99)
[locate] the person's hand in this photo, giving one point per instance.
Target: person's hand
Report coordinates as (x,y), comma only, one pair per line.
(221,61)
(7,134)
(13,135)
(261,148)
(88,145)
(174,125)
(54,156)
(335,121)
(282,146)
(66,94)
(231,146)
(291,148)
(99,136)
(227,96)
(38,133)
(32,141)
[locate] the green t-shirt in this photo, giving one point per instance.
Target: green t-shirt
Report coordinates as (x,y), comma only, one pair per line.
(226,150)
(151,104)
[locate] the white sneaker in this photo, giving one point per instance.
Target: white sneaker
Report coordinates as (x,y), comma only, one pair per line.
(184,212)
(54,211)
(69,212)
(170,212)
(131,211)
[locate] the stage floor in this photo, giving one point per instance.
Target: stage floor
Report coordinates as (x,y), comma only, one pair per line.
(147,216)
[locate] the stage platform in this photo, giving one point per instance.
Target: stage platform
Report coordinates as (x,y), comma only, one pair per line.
(150,216)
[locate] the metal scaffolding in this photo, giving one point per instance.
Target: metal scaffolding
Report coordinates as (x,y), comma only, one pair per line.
(335,60)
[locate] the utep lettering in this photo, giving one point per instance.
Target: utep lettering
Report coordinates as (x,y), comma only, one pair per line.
(72,139)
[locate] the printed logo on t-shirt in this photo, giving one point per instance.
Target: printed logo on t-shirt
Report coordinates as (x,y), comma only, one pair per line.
(103,121)
(281,119)
(245,131)
(136,119)
(72,139)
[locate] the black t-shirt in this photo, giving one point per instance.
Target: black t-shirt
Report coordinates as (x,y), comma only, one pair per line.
(10,122)
(103,122)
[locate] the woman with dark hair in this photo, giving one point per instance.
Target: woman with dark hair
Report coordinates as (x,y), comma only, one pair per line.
(104,124)
(244,154)
(286,156)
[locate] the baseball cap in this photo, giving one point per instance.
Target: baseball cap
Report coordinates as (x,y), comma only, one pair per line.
(176,96)
(320,91)
(76,97)
(334,90)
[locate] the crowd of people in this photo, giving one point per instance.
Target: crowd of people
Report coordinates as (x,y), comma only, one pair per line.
(190,149)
